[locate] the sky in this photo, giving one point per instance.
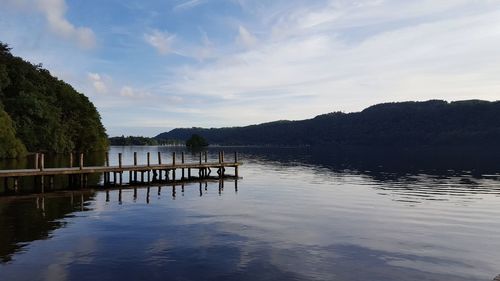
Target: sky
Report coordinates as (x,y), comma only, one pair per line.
(151,66)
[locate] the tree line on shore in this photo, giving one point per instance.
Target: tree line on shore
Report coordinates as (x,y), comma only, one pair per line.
(39,112)
(429,123)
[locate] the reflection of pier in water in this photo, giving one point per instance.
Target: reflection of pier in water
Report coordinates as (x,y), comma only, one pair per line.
(172,188)
(34,217)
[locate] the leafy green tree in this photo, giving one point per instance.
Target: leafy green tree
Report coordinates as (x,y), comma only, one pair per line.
(196,141)
(47,113)
(10,146)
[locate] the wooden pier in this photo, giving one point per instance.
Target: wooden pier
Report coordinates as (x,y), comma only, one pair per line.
(113,175)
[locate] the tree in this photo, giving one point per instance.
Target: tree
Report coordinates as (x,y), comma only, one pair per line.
(10,146)
(47,113)
(196,141)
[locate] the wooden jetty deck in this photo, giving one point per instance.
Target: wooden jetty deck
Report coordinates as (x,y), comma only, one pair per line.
(160,172)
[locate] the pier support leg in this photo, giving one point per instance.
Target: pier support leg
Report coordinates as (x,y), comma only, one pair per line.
(16,184)
(51,182)
(6,185)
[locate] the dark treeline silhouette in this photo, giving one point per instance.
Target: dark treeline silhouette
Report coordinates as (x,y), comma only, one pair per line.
(39,112)
(434,122)
(139,140)
(133,140)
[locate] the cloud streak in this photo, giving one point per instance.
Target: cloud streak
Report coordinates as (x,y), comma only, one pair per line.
(161,41)
(54,11)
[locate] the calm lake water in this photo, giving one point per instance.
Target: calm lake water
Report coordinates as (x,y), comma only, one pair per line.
(296,214)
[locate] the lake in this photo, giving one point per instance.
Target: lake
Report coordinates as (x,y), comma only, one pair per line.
(295,214)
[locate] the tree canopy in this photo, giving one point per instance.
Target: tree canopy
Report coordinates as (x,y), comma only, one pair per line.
(47,114)
(196,141)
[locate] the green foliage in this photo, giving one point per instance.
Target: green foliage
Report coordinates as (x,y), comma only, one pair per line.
(47,113)
(432,122)
(196,141)
(10,146)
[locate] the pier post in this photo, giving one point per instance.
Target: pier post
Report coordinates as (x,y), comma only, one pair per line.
(182,160)
(236,162)
(206,157)
(222,156)
(81,161)
(71,159)
(159,163)
(42,162)
(220,159)
(120,166)
(107,175)
(135,164)
(149,164)
(173,168)
(200,158)
(36,161)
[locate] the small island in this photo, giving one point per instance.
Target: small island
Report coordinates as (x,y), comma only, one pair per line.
(196,141)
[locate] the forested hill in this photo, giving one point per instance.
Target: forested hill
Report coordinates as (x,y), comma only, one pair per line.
(38,112)
(434,122)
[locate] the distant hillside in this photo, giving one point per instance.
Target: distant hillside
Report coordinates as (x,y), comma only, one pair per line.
(38,112)
(433,122)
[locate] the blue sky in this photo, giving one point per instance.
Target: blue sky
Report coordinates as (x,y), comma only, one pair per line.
(150,66)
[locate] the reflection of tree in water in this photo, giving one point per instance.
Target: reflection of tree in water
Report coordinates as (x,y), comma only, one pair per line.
(386,163)
(411,174)
(32,218)
(29,218)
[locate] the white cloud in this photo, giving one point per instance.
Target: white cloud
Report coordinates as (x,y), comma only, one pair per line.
(100,86)
(161,41)
(54,11)
(188,5)
(129,92)
(245,38)
(318,67)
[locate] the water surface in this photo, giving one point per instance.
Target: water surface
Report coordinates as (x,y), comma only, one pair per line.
(297,214)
